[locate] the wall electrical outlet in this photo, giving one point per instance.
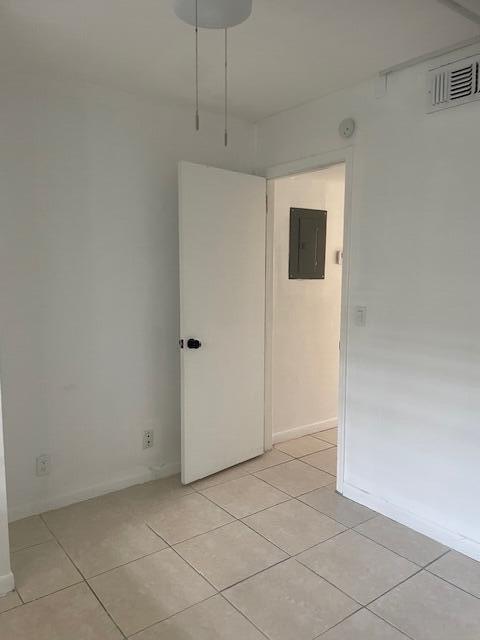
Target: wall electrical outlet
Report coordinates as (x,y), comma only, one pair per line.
(148,439)
(43,465)
(361,316)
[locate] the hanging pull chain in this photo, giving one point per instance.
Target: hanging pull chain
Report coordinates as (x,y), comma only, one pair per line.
(197,114)
(226,90)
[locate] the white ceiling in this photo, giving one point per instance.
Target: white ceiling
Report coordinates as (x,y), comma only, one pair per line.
(288,52)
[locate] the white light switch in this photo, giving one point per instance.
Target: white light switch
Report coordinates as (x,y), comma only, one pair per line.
(360,316)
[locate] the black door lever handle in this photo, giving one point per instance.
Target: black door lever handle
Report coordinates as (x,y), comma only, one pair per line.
(193,343)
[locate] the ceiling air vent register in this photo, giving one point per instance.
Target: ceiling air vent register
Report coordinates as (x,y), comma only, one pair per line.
(454,84)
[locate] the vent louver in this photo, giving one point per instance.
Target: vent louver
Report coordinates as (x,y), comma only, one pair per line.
(454,84)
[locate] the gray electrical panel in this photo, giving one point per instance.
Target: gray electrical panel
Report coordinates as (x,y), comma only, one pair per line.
(308,236)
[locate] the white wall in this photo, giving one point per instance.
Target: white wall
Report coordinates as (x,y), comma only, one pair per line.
(89,282)
(306,313)
(413,373)
(6,576)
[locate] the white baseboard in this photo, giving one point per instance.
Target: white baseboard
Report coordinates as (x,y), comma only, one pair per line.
(144,474)
(452,539)
(7,584)
(304,430)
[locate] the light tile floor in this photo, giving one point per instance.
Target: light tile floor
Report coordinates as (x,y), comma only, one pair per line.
(267,549)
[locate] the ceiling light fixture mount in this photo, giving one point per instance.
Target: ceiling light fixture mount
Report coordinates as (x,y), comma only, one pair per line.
(212,14)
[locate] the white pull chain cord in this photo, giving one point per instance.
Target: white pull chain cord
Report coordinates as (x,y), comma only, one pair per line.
(197,114)
(226,91)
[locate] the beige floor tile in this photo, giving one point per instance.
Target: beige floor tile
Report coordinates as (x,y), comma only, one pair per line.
(356,565)
(179,520)
(427,608)
(42,570)
(99,535)
(232,473)
(332,504)
(269,459)
(302,446)
(229,554)
(324,460)
(289,601)
(244,496)
(71,614)
(460,570)
(295,477)
(294,526)
(404,541)
(149,590)
(28,532)
(10,601)
(214,619)
(141,498)
(363,625)
(326,427)
(330,435)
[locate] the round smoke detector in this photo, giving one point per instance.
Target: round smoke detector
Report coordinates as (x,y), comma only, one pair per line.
(213,14)
(347,128)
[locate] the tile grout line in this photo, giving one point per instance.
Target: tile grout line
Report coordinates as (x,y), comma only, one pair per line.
(257,573)
(407,579)
(32,546)
(294,555)
(244,616)
(369,604)
(350,615)
(284,491)
(287,496)
(311,453)
(255,512)
(235,583)
(363,608)
(199,493)
(84,580)
(51,593)
(360,605)
(247,473)
(242,521)
(391,550)
(125,564)
(392,625)
(218,594)
(291,499)
(154,624)
(335,535)
(173,544)
(290,557)
(452,584)
(315,467)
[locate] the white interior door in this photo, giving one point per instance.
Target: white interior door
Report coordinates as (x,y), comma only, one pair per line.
(222,305)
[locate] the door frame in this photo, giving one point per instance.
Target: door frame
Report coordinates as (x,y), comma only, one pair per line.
(307,165)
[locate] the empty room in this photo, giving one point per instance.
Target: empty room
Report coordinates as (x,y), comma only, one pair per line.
(239,347)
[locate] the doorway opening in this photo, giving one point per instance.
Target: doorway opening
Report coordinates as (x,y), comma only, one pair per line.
(304,314)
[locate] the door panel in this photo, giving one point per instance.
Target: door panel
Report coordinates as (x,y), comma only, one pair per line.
(222,305)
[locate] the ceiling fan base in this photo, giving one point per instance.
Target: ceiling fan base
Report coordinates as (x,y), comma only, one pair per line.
(213,14)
